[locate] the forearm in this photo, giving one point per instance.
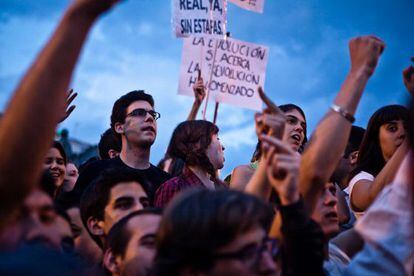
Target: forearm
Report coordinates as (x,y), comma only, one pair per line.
(387,174)
(329,140)
(38,103)
(194,111)
(258,184)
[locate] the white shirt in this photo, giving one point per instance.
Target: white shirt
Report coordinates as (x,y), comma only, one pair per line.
(348,190)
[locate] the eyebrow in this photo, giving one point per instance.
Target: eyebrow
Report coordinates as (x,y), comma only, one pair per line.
(293,116)
(123,198)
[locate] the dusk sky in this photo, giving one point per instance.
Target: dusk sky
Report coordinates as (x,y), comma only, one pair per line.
(133,48)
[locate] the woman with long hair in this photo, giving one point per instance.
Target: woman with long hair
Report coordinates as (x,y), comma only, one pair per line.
(385,134)
(294,134)
(55,163)
(197,144)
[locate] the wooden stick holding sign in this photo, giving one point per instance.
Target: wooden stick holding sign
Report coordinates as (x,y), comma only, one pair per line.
(211,77)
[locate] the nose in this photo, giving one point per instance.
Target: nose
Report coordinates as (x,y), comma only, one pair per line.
(330,199)
(53,165)
(148,117)
(299,128)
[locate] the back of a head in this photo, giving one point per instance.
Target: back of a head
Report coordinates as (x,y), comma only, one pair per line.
(199,222)
(370,158)
(355,140)
(121,105)
(109,141)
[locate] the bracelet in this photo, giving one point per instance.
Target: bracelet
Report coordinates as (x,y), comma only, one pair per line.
(343,113)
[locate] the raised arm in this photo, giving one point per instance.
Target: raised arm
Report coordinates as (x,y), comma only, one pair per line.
(199,95)
(272,122)
(330,137)
(39,101)
(365,192)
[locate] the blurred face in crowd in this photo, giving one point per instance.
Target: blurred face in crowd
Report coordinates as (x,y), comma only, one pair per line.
(125,198)
(247,254)
(71,176)
(84,245)
(294,133)
(325,212)
(391,136)
(55,164)
(139,129)
(37,222)
(215,152)
(140,251)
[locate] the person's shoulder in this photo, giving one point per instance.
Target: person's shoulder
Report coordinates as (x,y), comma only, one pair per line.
(162,174)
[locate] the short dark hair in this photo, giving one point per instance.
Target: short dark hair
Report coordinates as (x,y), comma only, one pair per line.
(198,222)
(121,105)
(96,196)
(355,140)
(109,140)
(190,141)
(119,236)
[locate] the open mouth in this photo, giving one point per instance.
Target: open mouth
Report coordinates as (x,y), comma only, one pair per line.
(332,215)
(296,137)
(148,128)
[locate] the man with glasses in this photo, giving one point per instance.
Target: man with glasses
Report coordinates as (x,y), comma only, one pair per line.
(134,121)
(221,232)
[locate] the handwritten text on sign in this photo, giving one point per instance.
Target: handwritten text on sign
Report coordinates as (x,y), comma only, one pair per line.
(238,70)
(198,17)
(251,5)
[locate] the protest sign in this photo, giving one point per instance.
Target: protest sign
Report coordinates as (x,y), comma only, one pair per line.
(199,18)
(251,5)
(238,69)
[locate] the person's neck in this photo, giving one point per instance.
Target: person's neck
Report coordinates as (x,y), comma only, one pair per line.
(203,176)
(135,157)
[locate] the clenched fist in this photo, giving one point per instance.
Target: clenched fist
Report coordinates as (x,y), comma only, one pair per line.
(365,52)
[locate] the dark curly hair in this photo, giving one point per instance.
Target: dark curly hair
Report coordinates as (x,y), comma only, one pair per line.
(190,141)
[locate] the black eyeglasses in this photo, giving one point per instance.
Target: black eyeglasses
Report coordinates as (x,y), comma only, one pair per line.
(140,112)
(250,254)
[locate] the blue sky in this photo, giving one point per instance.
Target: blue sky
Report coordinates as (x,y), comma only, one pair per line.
(133,48)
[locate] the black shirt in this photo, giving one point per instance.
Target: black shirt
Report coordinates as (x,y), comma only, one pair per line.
(153,176)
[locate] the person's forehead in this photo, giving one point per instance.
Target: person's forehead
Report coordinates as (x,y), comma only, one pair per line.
(254,235)
(53,152)
(126,188)
(139,104)
(144,224)
(38,199)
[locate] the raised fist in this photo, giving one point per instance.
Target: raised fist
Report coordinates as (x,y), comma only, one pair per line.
(365,52)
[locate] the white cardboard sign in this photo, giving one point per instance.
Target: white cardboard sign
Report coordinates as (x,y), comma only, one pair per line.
(251,5)
(239,68)
(199,18)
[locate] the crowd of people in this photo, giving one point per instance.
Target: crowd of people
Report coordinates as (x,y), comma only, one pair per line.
(341,203)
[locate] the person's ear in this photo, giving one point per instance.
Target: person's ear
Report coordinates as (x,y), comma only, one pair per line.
(95,226)
(353,157)
(112,153)
(119,128)
(111,262)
